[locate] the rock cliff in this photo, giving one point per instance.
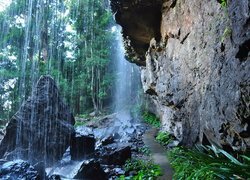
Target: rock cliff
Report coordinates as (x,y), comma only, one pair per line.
(194,58)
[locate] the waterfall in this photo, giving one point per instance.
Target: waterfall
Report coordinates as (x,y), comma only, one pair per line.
(127,82)
(67,41)
(31,38)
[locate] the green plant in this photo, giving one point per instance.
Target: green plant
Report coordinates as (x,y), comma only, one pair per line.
(85,116)
(223,3)
(145,150)
(207,162)
(144,169)
(227,33)
(151,118)
(164,138)
(79,123)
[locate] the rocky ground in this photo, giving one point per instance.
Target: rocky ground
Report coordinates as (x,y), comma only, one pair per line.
(41,142)
(98,151)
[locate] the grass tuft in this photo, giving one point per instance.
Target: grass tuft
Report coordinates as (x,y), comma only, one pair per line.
(164,138)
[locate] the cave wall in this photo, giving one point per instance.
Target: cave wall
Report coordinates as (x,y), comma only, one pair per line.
(198,72)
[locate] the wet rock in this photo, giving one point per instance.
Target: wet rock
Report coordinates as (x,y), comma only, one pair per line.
(42,128)
(118,171)
(113,171)
(65,169)
(115,154)
(107,140)
(40,168)
(82,146)
(121,127)
(82,143)
(18,170)
(197,74)
(90,170)
(55,177)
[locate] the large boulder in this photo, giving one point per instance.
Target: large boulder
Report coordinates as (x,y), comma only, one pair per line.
(42,128)
(115,154)
(90,170)
(82,143)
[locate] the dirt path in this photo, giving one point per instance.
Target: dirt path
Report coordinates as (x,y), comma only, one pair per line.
(158,154)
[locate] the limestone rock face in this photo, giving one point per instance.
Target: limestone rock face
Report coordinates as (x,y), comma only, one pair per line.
(198,74)
(41,129)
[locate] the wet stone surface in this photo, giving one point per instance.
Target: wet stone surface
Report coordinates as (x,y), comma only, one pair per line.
(18,170)
(117,139)
(41,130)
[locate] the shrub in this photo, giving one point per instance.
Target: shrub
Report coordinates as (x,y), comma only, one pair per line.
(151,118)
(223,3)
(207,163)
(164,138)
(144,169)
(79,123)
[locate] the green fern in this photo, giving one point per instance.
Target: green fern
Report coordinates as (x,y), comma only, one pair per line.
(145,170)
(164,138)
(208,162)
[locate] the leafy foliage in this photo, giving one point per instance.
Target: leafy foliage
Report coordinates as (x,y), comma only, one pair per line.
(164,138)
(223,3)
(79,123)
(207,162)
(144,169)
(69,40)
(151,118)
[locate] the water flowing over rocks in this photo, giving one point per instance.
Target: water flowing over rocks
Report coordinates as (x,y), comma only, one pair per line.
(42,128)
(116,138)
(197,72)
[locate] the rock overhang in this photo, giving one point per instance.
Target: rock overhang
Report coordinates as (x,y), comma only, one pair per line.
(140,21)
